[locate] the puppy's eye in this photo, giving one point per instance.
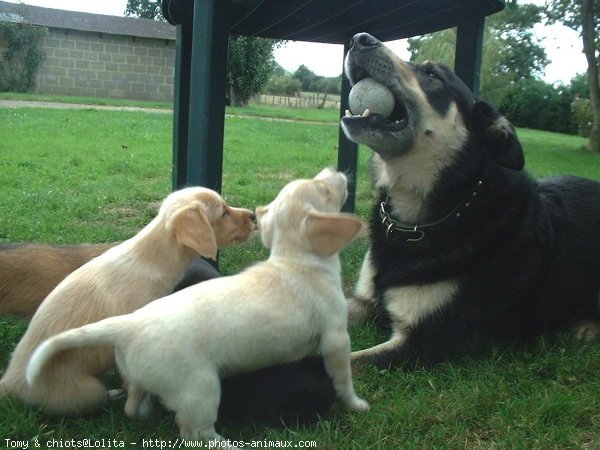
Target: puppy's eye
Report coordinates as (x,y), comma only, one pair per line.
(225,213)
(324,188)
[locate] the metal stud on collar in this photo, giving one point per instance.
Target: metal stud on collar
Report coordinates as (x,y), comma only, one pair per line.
(421,240)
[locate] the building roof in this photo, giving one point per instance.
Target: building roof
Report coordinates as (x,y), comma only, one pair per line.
(96,23)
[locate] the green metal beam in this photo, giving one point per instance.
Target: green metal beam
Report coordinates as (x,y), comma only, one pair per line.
(208,72)
(347,150)
(181,103)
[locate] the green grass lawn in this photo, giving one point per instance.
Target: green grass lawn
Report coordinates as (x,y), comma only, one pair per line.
(70,176)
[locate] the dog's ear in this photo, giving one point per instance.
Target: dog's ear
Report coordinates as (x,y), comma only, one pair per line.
(265,225)
(192,229)
(499,135)
(330,233)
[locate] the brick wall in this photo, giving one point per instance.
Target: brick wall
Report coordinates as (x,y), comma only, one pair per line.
(101,65)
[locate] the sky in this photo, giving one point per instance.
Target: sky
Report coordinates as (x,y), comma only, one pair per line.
(562,45)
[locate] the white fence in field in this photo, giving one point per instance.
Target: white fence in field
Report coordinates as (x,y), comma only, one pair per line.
(305,100)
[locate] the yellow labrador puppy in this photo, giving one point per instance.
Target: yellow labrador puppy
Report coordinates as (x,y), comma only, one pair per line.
(191,222)
(276,311)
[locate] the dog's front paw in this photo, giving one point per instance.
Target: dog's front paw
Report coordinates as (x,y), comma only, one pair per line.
(587,330)
(358,404)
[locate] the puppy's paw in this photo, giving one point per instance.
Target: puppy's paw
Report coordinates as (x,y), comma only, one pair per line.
(358,404)
(587,330)
(146,408)
(115,395)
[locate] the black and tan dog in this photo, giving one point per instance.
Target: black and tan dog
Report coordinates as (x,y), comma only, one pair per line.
(466,247)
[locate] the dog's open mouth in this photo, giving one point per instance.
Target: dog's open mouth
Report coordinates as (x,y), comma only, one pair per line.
(396,121)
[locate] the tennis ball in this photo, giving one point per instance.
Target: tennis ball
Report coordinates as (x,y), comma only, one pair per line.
(372,95)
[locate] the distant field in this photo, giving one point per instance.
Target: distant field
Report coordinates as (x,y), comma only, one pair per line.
(70,176)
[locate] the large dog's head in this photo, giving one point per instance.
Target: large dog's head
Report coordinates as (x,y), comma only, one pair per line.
(434,111)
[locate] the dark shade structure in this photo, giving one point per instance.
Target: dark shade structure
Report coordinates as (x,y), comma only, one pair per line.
(203,27)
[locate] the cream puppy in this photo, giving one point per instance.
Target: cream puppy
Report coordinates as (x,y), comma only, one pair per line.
(277,311)
(191,222)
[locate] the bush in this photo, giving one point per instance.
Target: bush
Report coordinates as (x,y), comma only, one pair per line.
(582,107)
(22,56)
(532,103)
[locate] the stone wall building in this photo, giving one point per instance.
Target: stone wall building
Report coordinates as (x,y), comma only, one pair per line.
(100,56)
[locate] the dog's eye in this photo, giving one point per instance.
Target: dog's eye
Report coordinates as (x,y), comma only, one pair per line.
(225,213)
(428,71)
(431,75)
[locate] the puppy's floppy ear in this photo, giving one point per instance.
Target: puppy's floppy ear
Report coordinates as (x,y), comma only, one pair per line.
(192,229)
(499,134)
(330,233)
(265,225)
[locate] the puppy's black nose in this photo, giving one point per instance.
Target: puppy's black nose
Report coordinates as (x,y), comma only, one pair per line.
(363,40)
(252,217)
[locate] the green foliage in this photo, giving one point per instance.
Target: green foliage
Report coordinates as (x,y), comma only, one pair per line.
(147,9)
(311,82)
(249,67)
(285,85)
(568,12)
(532,103)
(306,76)
(582,108)
(521,54)
(579,85)
(21,59)
(583,16)
(510,51)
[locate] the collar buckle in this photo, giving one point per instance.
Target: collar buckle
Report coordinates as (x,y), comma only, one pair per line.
(419,239)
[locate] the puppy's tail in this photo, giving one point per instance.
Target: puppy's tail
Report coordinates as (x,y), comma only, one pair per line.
(107,331)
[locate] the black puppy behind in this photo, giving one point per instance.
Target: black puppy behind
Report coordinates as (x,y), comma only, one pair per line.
(286,394)
(466,247)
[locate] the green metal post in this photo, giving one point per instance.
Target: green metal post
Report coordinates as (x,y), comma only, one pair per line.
(347,150)
(181,102)
(469,45)
(208,70)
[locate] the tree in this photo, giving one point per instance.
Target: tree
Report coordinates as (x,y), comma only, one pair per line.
(146,9)
(511,51)
(285,85)
(307,77)
(583,16)
(249,67)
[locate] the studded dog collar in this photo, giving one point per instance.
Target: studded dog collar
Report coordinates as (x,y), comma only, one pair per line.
(416,235)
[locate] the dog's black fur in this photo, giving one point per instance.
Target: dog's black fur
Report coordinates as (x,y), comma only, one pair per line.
(285,394)
(522,256)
